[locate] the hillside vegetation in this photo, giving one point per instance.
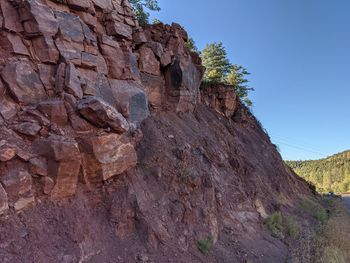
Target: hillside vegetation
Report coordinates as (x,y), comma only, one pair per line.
(328,174)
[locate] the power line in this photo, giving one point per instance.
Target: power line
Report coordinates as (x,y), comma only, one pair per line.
(303,145)
(301,148)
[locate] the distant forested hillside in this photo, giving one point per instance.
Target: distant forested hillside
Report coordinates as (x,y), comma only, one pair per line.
(329,174)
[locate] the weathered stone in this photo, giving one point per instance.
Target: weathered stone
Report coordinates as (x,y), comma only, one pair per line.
(45,49)
(23,82)
(80,5)
(23,154)
(157,48)
(38,166)
(47,76)
(8,108)
(28,128)
(130,99)
(48,184)
(101,65)
(165,59)
(103,89)
(88,60)
(55,110)
(131,70)
(119,29)
(60,78)
(222,98)
(90,37)
(108,40)
(130,21)
(24,202)
(7,153)
(148,62)
(102,114)
(3,200)
(41,21)
(72,81)
(88,19)
(70,51)
(70,27)
(114,57)
(63,164)
(183,79)
(17,183)
(139,38)
(11,18)
(155,89)
(106,156)
(17,45)
(105,5)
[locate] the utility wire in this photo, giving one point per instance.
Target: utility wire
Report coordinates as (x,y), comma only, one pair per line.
(300,148)
(292,142)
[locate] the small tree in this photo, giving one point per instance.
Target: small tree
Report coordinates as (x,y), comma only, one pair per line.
(220,70)
(237,78)
(214,59)
(139,9)
(191,45)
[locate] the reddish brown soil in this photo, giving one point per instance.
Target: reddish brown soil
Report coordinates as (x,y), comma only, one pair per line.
(198,175)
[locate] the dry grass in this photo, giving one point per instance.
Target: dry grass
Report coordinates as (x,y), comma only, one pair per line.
(327,242)
(335,236)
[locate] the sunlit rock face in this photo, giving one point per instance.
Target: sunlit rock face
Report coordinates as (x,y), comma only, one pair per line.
(109,151)
(78,78)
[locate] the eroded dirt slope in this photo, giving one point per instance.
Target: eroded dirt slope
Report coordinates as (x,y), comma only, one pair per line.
(199,175)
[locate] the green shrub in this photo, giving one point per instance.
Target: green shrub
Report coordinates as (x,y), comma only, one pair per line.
(274,224)
(204,245)
(291,226)
(281,225)
(315,210)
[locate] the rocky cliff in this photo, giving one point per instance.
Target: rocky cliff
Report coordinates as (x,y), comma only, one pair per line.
(110,153)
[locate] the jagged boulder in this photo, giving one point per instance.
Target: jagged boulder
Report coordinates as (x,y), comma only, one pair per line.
(63,164)
(221,97)
(102,115)
(23,82)
(183,79)
(105,156)
(18,186)
(130,100)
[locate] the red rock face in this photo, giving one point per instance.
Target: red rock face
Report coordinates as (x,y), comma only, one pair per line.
(77,78)
(96,164)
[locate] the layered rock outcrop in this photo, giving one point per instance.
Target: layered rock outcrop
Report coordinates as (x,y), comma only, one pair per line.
(76,81)
(109,151)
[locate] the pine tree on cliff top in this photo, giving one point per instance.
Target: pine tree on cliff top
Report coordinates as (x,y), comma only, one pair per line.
(139,7)
(215,61)
(220,70)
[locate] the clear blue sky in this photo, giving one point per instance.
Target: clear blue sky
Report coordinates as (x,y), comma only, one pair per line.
(298,53)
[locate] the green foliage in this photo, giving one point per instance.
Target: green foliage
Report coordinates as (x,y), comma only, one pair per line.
(220,70)
(315,210)
(237,79)
(139,7)
(329,174)
(156,21)
(274,224)
(214,57)
(191,45)
(204,245)
(291,226)
(281,225)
